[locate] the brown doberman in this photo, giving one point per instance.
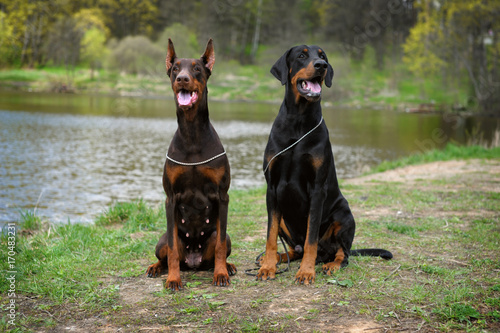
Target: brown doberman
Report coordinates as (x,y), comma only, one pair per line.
(196,179)
(304,202)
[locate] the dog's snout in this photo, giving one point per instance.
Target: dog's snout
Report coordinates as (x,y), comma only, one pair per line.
(182,78)
(320,65)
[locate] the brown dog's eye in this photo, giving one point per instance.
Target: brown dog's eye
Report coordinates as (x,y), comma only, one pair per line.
(197,68)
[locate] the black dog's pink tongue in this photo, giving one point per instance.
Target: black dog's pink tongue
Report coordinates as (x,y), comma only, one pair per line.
(184,97)
(315,87)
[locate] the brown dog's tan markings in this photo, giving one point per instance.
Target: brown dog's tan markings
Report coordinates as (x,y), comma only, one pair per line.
(197,200)
(215,175)
(174,275)
(174,172)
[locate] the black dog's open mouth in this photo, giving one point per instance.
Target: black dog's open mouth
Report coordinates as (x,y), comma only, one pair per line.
(186,98)
(310,88)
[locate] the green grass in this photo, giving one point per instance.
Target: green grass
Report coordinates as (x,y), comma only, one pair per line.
(450,152)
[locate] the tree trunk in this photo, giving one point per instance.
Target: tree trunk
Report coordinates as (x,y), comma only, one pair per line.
(256,36)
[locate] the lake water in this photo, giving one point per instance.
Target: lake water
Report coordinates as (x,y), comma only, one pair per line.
(71,156)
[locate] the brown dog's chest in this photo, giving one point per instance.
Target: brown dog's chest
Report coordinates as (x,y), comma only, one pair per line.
(177,177)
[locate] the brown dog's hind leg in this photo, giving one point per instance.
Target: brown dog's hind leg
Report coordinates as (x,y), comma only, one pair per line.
(155,270)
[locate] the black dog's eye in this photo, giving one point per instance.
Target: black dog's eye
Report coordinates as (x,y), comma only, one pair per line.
(322,56)
(302,56)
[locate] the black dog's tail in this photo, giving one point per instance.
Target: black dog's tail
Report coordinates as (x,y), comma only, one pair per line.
(384,254)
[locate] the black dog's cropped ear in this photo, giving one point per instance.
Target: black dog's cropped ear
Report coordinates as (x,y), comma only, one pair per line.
(169,61)
(208,57)
(329,76)
(280,68)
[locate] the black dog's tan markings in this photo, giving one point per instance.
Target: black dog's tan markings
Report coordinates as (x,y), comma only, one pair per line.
(304,202)
(197,199)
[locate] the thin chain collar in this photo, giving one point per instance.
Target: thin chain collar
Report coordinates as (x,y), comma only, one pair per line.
(293,144)
(196,163)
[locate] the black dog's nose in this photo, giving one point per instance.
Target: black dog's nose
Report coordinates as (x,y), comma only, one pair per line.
(182,78)
(320,65)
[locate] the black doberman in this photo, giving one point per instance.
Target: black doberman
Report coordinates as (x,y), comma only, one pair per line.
(304,202)
(196,179)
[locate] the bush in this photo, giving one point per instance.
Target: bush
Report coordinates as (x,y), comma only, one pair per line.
(136,55)
(185,41)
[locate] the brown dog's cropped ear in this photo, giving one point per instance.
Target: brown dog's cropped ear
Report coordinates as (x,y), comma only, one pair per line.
(280,68)
(329,76)
(208,57)
(169,61)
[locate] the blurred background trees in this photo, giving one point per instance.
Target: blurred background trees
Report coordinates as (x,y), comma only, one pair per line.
(455,40)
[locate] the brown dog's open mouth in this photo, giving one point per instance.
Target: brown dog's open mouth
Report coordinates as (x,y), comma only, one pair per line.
(186,98)
(310,88)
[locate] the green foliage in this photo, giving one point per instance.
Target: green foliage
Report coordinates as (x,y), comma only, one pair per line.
(93,47)
(6,34)
(137,55)
(420,47)
(184,39)
(450,39)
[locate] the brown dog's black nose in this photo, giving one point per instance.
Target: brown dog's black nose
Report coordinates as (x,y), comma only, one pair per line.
(182,78)
(320,65)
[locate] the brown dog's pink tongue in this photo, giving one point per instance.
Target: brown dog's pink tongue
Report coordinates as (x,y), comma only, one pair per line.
(184,98)
(314,87)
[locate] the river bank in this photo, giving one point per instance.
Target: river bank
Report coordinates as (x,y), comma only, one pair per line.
(354,86)
(439,219)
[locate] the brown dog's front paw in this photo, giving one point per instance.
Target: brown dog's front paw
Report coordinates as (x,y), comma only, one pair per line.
(305,276)
(154,270)
(231,269)
(174,284)
(330,268)
(221,279)
(266,273)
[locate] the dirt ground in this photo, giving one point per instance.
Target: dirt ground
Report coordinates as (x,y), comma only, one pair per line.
(280,305)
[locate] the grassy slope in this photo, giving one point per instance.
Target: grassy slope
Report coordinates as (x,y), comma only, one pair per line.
(444,234)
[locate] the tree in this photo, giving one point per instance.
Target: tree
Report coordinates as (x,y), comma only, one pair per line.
(129,17)
(453,36)
(93,49)
(63,44)
(29,22)
(186,43)
(6,50)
